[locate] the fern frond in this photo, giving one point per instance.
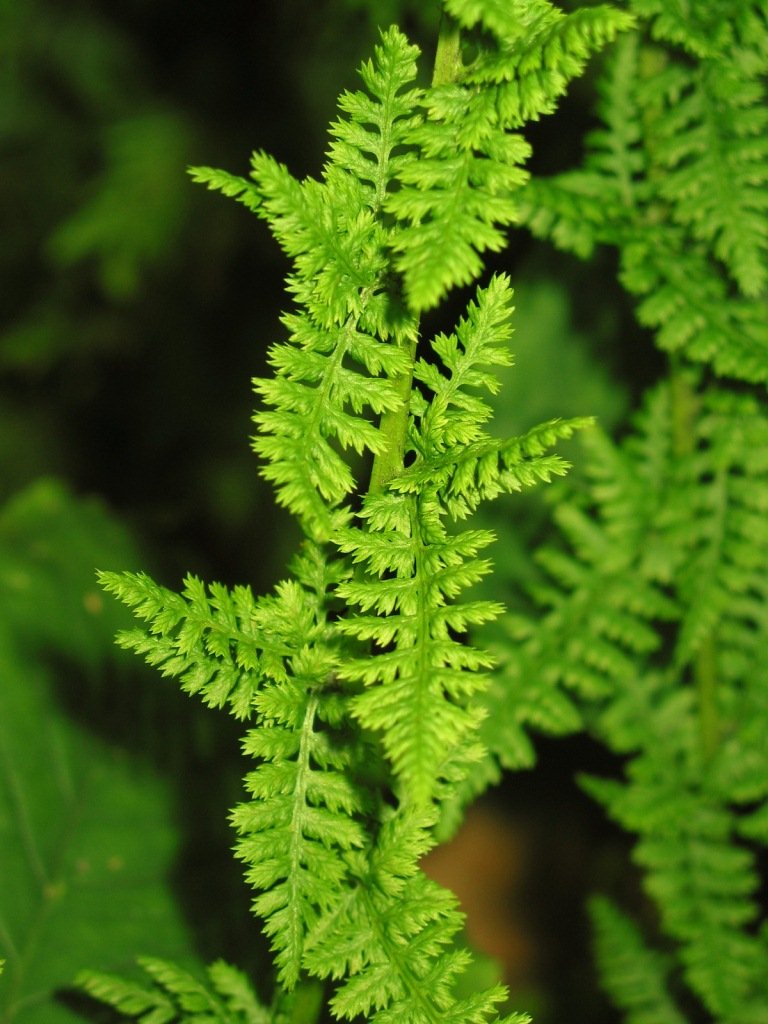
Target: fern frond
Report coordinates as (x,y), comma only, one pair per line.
(307,794)
(222,644)
(390,99)
(390,938)
(420,679)
(452,452)
(710,140)
(231,185)
(686,301)
(676,180)
(177,997)
(455,200)
(721,578)
(213,640)
(703,30)
(348,339)
(634,976)
(702,882)
(302,815)
(541,50)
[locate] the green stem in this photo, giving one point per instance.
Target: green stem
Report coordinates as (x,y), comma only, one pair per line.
(448,54)
(685,407)
(705,676)
(394,423)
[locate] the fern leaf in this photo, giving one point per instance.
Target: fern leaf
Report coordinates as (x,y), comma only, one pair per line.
(302,815)
(704,31)
(420,680)
(686,301)
(335,371)
(220,643)
(712,144)
(702,883)
(390,937)
(725,485)
(390,99)
(634,976)
(541,50)
(231,185)
(177,997)
(307,797)
(456,198)
(421,683)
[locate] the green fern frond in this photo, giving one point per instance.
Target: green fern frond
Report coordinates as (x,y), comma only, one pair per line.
(231,185)
(506,19)
(702,882)
(390,940)
(455,200)
(420,680)
(211,640)
(686,301)
(307,792)
(348,341)
(452,452)
(541,50)
(302,816)
(703,30)
(676,180)
(722,580)
(711,141)
(634,976)
(390,99)
(177,997)
(355,672)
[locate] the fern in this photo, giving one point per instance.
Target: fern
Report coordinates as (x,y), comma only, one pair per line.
(361,691)
(176,995)
(655,609)
(635,976)
(390,937)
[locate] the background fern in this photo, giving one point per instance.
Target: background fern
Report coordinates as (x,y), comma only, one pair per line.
(671,531)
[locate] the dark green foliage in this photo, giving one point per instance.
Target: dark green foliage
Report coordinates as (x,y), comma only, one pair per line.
(87,835)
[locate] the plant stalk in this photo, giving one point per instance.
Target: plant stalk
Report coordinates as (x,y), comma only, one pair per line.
(394,423)
(685,406)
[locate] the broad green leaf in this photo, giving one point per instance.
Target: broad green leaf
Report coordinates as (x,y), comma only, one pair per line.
(87,834)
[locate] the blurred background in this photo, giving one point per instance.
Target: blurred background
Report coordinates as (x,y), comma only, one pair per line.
(135,308)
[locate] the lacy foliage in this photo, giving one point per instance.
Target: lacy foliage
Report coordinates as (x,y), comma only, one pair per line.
(654,611)
(356,677)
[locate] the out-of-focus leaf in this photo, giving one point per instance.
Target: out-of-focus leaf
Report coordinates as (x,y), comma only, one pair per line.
(137,204)
(87,832)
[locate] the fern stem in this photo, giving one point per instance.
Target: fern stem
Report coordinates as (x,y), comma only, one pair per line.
(394,424)
(685,407)
(705,675)
(448,54)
